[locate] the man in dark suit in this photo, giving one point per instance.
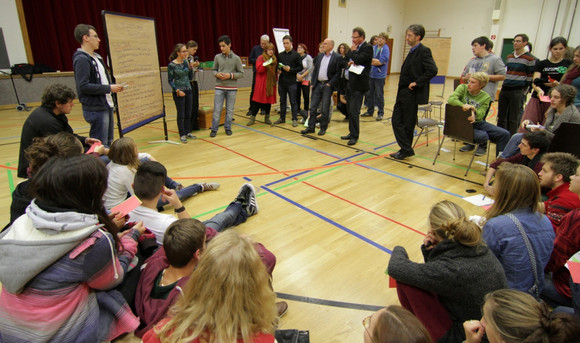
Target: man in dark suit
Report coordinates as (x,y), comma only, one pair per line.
(361,56)
(416,73)
(324,79)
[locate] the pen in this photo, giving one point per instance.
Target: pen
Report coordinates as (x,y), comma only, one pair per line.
(483,197)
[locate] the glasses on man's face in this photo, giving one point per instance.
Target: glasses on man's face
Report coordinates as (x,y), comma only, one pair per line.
(367,324)
(355,37)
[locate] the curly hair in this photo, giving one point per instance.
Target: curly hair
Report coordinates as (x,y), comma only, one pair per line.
(57,93)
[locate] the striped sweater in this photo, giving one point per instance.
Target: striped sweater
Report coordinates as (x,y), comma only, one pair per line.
(57,272)
(520,71)
(228,64)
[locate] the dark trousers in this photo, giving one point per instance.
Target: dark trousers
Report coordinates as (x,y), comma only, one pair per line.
(287,90)
(194,106)
(354,101)
(510,107)
(377,97)
(302,90)
(253,85)
(321,92)
(183,106)
(405,118)
(256,106)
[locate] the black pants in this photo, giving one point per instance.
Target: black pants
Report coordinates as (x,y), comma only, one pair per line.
(303,90)
(354,101)
(405,118)
(195,106)
(320,93)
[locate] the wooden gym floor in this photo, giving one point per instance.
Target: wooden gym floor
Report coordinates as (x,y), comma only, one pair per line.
(331,213)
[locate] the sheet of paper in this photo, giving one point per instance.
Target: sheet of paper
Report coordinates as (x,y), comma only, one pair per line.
(92,148)
(127,206)
(479,200)
(356,69)
(544,98)
(265,64)
(574,268)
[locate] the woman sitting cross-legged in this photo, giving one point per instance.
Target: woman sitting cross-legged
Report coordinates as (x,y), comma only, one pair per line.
(458,271)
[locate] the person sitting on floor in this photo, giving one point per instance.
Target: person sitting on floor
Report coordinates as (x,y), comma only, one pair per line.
(164,274)
(518,235)
(458,271)
(471,98)
(125,159)
(228,298)
(532,148)
(514,316)
(394,324)
(555,174)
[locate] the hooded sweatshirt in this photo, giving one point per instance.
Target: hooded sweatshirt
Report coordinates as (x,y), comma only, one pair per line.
(57,271)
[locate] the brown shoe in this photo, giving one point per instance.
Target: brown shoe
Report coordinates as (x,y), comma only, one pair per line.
(282,308)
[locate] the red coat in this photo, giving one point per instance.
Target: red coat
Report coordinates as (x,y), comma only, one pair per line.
(260,85)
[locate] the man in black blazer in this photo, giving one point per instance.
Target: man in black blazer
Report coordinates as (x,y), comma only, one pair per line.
(416,73)
(325,76)
(361,55)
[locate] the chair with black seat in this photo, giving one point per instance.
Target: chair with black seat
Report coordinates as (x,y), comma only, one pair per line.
(458,128)
(566,139)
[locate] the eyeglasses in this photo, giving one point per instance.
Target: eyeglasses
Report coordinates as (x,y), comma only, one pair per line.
(367,324)
(354,37)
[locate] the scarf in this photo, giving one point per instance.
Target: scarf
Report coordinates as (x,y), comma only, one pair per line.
(573,72)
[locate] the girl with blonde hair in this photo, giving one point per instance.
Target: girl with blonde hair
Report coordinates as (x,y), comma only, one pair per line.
(518,235)
(458,271)
(514,316)
(394,324)
(125,159)
(227,299)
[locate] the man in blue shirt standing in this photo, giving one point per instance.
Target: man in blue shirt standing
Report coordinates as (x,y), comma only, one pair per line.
(381,55)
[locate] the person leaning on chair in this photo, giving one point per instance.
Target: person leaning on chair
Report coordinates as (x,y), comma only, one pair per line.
(471,98)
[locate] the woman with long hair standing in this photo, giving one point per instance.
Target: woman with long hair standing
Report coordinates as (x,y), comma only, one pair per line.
(458,271)
(227,299)
(518,235)
(62,259)
(304,77)
(179,75)
(265,86)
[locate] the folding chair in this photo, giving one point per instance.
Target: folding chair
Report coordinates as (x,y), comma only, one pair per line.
(425,122)
(566,139)
(457,127)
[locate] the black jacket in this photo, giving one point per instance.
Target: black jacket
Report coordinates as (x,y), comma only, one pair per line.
(333,71)
(89,88)
(363,56)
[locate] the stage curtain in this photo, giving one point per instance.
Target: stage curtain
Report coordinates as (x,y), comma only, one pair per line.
(51,24)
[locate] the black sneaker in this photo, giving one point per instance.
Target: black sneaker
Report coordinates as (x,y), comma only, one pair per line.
(247,197)
(467,147)
(480,151)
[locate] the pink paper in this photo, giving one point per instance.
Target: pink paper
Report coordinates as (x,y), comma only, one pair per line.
(574,271)
(545,98)
(127,206)
(92,148)
(392,282)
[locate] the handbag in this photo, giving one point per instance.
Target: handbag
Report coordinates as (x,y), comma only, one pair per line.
(535,289)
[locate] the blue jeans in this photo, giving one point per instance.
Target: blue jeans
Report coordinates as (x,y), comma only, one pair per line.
(183,106)
(575,287)
(218,103)
(320,92)
(184,193)
(482,131)
(550,293)
(102,125)
(377,96)
(284,91)
(234,215)
(512,147)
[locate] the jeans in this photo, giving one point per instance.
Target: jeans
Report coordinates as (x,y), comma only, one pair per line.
(218,103)
(184,193)
(183,105)
(102,125)
(377,97)
(320,92)
(575,287)
(512,147)
(234,215)
(482,131)
(290,91)
(550,293)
